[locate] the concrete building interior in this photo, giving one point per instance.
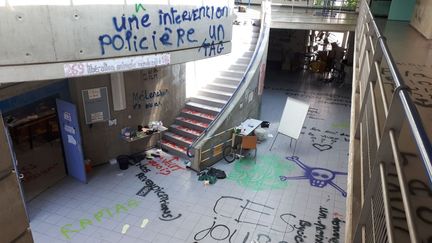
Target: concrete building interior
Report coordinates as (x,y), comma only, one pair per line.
(216,121)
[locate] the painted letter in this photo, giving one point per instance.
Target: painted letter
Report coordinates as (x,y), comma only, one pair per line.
(120,207)
(65,232)
(84,223)
(103,43)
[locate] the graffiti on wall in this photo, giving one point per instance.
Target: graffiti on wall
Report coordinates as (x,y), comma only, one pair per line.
(137,33)
(148,99)
(139,7)
(150,74)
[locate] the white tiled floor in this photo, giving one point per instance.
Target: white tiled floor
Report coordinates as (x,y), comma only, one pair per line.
(252,205)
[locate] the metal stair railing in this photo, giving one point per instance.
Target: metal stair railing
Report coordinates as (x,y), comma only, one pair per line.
(264,24)
(378,127)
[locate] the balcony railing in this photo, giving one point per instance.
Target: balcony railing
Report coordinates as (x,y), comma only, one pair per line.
(385,126)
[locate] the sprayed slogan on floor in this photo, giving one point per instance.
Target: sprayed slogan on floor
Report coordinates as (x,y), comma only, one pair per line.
(98,217)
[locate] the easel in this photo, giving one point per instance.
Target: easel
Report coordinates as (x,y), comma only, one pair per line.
(295,144)
(291,123)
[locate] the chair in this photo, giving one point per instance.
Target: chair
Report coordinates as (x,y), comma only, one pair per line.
(249,142)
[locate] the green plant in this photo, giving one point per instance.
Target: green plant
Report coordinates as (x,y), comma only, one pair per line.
(318,2)
(350,4)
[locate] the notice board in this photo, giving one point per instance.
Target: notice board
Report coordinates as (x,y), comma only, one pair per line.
(96,105)
(293,117)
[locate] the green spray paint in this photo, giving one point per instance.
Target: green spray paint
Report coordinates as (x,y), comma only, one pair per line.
(262,174)
(139,6)
(67,229)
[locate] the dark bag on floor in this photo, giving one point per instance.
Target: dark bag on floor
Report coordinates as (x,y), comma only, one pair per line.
(220,174)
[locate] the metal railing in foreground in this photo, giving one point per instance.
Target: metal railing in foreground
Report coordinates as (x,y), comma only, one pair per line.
(380,123)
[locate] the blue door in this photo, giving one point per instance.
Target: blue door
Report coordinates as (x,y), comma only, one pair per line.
(70,133)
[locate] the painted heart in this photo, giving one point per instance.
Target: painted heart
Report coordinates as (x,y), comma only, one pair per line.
(322,147)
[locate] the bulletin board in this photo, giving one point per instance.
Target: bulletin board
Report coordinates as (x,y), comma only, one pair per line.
(96,105)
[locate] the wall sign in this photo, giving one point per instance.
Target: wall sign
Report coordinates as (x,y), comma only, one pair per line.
(115,65)
(96,106)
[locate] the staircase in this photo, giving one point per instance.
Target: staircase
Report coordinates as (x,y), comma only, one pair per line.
(201,109)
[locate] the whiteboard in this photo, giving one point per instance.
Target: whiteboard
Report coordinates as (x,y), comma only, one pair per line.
(293,117)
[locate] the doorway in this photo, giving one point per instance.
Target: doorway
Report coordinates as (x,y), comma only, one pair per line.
(36,140)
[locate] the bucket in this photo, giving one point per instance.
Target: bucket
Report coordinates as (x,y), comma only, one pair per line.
(123,162)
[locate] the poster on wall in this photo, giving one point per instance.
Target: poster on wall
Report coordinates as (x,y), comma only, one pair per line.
(78,69)
(96,106)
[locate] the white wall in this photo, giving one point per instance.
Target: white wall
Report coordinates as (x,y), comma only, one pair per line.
(422,17)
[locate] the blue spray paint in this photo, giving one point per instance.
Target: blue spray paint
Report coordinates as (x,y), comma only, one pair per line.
(128,34)
(318,177)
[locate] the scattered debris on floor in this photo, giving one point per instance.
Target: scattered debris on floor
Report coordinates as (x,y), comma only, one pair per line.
(210,176)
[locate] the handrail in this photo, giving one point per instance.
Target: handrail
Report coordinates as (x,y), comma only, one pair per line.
(422,141)
(241,83)
(341,8)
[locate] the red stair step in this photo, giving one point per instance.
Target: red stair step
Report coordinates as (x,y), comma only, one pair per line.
(179,137)
(174,146)
(199,114)
(187,130)
(194,122)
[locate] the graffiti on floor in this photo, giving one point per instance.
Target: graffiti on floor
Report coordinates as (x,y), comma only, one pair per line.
(417,79)
(261,174)
(318,97)
(324,140)
(98,217)
(165,165)
(318,177)
(314,114)
(150,185)
(254,213)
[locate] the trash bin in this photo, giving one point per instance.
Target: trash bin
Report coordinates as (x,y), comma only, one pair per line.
(123,162)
